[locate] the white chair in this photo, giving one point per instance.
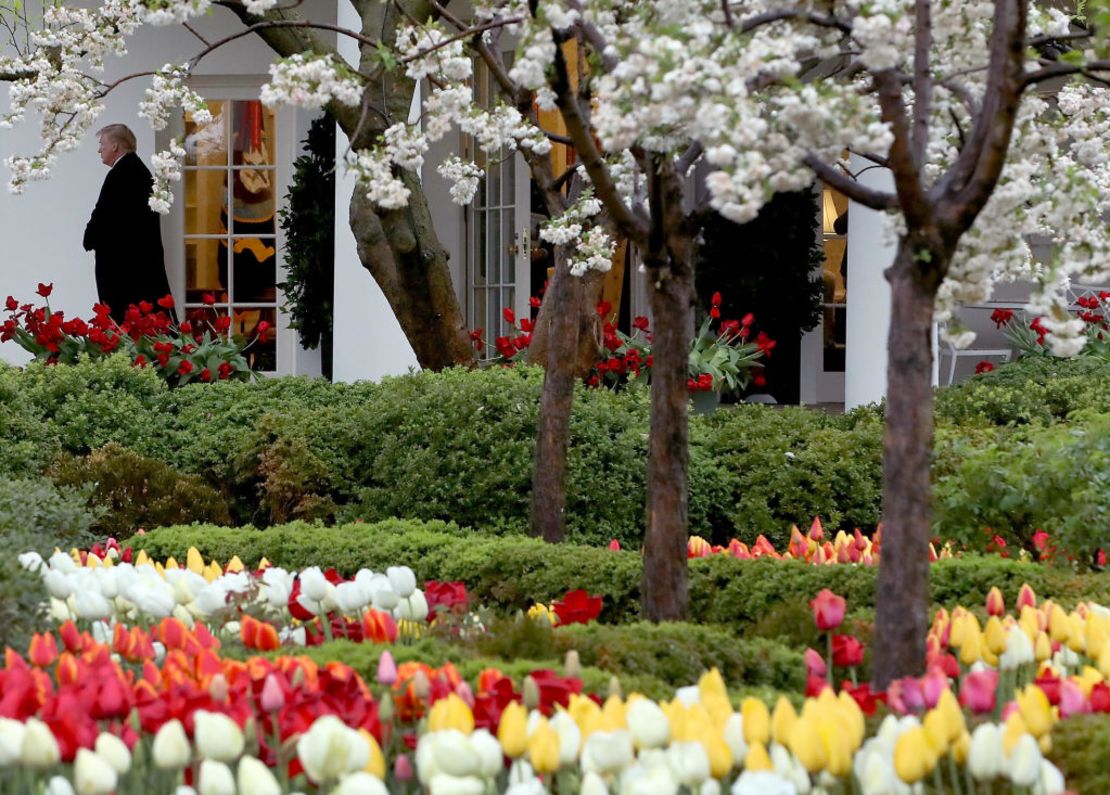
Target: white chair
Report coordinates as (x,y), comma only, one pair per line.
(950,350)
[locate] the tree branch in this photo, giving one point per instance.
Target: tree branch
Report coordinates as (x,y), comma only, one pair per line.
(922,80)
(626,221)
(838,180)
(903,163)
(780,15)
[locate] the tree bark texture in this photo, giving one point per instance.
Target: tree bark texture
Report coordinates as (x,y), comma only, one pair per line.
(665,587)
(549,474)
(901,616)
(588,324)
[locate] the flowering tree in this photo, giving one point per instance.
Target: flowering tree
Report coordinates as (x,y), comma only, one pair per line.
(754,97)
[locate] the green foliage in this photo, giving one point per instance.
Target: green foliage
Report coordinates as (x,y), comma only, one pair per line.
(308,222)
(1081,749)
(1055,478)
(786,466)
(133,491)
(513,572)
(35,516)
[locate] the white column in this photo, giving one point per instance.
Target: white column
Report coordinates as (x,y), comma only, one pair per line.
(368,340)
(868,313)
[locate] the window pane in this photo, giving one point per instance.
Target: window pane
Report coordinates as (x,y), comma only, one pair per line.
(253,262)
(206,145)
(493,174)
(493,258)
(253,192)
(478,313)
(480,248)
(507,256)
(262,353)
(252,133)
(204,318)
(205,270)
(205,194)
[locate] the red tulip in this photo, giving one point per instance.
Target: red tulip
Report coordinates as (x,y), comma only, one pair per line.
(1026,596)
(43,650)
(828,610)
(977,692)
(615,545)
(815,664)
(847,651)
(577,607)
(996,605)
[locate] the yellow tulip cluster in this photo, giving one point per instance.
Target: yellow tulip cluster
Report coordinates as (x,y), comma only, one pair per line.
(943,731)
(194,562)
(823,736)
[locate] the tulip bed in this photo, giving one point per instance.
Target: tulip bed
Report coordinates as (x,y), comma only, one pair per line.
(154,674)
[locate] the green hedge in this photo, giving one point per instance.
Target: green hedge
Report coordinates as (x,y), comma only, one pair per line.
(513,571)
(1081,749)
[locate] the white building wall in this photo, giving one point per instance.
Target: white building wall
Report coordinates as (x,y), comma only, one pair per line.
(868,312)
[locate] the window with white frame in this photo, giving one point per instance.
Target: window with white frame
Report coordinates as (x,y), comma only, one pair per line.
(230,224)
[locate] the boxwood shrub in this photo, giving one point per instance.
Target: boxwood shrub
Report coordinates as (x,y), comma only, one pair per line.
(513,572)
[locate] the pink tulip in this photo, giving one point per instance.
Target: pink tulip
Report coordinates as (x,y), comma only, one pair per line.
(977,692)
(402,768)
(464,692)
(933,685)
(273,697)
(615,545)
(1073,701)
(387,669)
(815,664)
(828,610)
(905,696)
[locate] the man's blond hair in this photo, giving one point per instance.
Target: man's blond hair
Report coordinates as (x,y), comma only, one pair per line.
(120,134)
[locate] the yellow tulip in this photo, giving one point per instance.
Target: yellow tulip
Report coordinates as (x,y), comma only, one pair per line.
(586,713)
(264,563)
(375,766)
(171,563)
(1035,710)
(1013,730)
(543,748)
(1077,634)
(235,565)
(1042,649)
(712,683)
(1046,744)
(1087,679)
(961,747)
(451,713)
(936,730)
(1030,621)
(838,751)
(676,716)
(212,572)
(512,731)
(613,714)
(142,559)
(757,721)
(953,715)
(757,758)
(782,720)
(913,757)
(1058,628)
(971,651)
(853,720)
(193,561)
(107,563)
(720,755)
(1097,634)
(92,561)
(1104,659)
(805,741)
(995,635)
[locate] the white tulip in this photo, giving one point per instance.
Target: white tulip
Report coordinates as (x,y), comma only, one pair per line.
(360,783)
(1024,768)
(184,616)
(91,605)
(311,605)
(59,785)
(217,736)
(710,787)
(314,584)
(593,784)
(329,749)
(570,737)
(39,748)
(427,767)
(114,751)
(412,608)
(279,584)
(640,780)
(171,749)
(607,752)
(210,600)
(689,695)
(531,786)
(255,778)
(444,784)
(101,632)
(1019,650)
(488,749)
(62,562)
(350,597)
(365,580)
(984,758)
(59,611)
(648,724)
(215,779)
(402,580)
(31,561)
(734,739)
(689,763)
(93,774)
(11,741)
(155,599)
(788,766)
(762,782)
(57,584)
(1051,781)
(454,754)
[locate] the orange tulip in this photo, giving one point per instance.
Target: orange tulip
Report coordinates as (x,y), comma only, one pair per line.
(43,650)
(378,627)
(259,635)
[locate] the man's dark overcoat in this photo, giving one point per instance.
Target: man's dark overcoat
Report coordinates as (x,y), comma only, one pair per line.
(127,238)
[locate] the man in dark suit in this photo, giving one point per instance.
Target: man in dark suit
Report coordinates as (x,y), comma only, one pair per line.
(123,231)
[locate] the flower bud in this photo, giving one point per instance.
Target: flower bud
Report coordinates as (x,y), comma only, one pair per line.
(171,749)
(93,774)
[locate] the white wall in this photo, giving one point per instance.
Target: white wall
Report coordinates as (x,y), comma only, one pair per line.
(868,313)
(369,342)
(42,229)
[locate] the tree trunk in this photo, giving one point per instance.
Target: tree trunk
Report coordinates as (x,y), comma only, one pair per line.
(401,251)
(665,587)
(588,323)
(902,597)
(549,474)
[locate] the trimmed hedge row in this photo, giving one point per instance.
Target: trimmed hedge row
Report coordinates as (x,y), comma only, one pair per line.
(512,572)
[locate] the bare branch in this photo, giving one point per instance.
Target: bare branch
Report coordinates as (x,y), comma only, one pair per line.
(594,37)
(196,33)
(821,20)
(903,163)
(922,80)
(688,158)
(838,180)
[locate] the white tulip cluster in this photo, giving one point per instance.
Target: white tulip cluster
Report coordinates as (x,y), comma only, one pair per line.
(127,593)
